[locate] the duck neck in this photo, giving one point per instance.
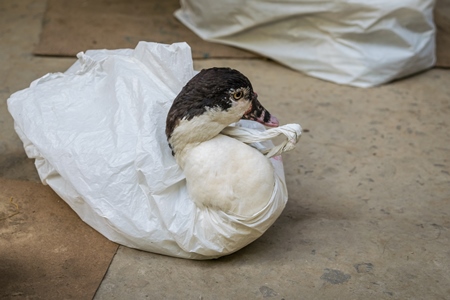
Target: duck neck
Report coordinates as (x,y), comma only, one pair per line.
(190,133)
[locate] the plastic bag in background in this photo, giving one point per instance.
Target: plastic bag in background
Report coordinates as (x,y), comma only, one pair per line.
(97,133)
(358,43)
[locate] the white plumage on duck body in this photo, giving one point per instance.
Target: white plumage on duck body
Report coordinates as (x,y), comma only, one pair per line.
(221,172)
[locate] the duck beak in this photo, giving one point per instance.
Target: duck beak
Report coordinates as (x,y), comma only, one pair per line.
(258,113)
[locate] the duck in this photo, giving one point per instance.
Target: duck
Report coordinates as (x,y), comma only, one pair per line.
(222,173)
(179,162)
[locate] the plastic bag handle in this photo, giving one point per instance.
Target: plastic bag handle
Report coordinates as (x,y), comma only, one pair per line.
(292,133)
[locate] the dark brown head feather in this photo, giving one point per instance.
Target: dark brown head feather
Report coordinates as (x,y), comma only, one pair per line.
(208,89)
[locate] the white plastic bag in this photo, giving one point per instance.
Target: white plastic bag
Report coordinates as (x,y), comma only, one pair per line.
(97,133)
(359,43)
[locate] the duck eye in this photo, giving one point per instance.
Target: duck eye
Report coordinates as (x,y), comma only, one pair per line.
(238,95)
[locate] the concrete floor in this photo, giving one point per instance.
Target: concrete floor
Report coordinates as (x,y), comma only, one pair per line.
(369,210)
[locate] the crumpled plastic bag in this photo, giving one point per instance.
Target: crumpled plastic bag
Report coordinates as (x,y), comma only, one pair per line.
(358,43)
(97,134)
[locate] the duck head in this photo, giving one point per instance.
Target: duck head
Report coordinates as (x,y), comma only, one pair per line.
(210,101)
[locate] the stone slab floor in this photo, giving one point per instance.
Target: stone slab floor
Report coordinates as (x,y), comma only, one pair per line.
(368,215)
